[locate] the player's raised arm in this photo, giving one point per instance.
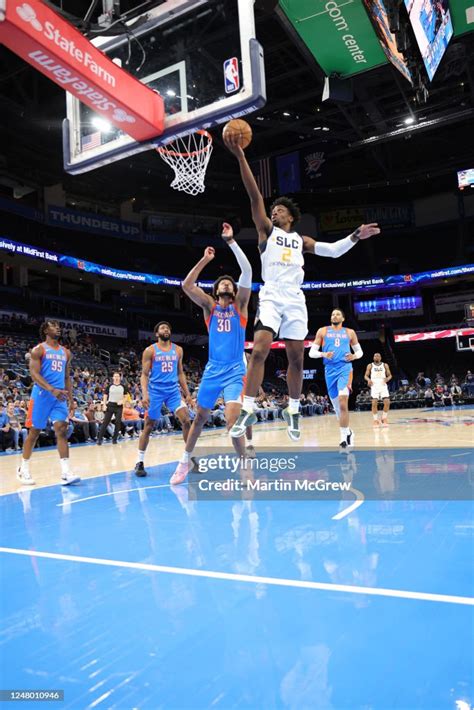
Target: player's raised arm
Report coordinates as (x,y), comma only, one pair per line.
(355,345)
(342,246)
(195,293)
(35,372)
(245,278)
(259,216)
(147,361)
(182,377)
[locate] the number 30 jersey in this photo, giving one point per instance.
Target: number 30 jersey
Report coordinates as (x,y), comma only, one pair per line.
(164,370)
(282,258)
(226,328)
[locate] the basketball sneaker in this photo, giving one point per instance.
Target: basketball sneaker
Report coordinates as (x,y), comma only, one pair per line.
(376,423)
(250,451)
(343,448)
(293,421)
(140,470)
(245,419)
(70,479)
(350,439)
(25,478)
(384,422)
(179,476)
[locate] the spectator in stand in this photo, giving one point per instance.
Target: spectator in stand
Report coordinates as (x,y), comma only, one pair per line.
(429,397)
(447,398)
(131,422)
(80,422)
(412,392)
(420,380)
(468,385)
(439,379)
(17,425)
(6,432)
(456,392)
(90,414)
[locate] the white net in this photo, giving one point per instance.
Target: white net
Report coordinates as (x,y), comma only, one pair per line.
(188,156)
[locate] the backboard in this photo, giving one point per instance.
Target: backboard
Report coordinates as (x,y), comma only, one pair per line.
(200,55)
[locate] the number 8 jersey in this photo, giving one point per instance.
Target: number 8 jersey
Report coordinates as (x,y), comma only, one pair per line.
(226,328)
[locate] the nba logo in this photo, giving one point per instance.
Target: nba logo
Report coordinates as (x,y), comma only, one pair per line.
(231,75)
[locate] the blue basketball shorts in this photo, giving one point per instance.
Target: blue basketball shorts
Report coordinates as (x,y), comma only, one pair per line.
(44,406)
(221,379)
(338,379)
(170,397)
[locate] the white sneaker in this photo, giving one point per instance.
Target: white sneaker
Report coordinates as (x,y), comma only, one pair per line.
(70,479)
(25,478)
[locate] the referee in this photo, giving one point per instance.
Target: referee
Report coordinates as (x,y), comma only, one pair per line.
(114,401)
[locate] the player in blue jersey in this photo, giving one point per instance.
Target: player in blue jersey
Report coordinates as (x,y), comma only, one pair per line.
(52,390)
(334,343)
(225,313)
(162,375)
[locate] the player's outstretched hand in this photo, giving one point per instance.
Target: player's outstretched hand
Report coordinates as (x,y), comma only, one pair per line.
(365,231)
(227,232)
(231,142)
(209,253)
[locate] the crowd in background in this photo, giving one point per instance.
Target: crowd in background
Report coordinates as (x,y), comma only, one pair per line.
(91,378)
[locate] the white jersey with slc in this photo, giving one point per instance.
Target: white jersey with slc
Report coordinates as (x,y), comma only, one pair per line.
(379,389)
(282,305)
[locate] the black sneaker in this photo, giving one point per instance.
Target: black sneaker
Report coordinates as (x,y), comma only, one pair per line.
(343,448)
(99,442)
(350,439)
(140,470)
(114,442)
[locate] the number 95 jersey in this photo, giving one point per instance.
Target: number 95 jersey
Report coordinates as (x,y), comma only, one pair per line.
(43,405)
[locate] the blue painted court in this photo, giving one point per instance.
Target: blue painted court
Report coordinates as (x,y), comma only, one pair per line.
(126,594)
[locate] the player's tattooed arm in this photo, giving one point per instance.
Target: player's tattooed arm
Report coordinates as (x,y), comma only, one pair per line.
(35,372)
(194,292)
(260,218)
(388,374)
(182,377)
(147,361)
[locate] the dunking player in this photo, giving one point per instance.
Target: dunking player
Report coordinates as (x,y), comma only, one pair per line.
(282,306)
(333,343)
(226,318)
(52,389)
(162,373)
(377,376)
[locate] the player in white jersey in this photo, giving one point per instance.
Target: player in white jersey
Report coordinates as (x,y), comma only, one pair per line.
(282,306)
(377,376)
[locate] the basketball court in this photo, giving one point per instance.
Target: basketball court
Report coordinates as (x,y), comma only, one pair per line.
(123,592)
(129,593)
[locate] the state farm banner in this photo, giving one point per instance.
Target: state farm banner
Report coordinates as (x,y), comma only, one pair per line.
(432,335)
(35,32)
(346,219)
(110,331)
(9,315)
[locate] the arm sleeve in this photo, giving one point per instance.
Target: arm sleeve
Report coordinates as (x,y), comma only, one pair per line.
(245,279)
(315,352)
(334,249)
(358,352)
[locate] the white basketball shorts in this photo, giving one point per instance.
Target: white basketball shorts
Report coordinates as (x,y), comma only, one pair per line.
(379,391)
(284,311)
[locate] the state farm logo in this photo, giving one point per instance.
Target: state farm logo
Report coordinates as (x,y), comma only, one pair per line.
(27,14)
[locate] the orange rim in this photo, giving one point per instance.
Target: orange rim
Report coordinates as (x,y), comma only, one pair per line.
(176,154)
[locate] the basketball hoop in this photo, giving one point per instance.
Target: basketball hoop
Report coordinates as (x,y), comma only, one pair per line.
(188,156)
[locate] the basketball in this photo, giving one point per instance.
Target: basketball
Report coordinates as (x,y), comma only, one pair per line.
(240,128)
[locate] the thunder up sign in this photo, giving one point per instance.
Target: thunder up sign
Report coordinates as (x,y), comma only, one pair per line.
(50,44)
(338,34)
